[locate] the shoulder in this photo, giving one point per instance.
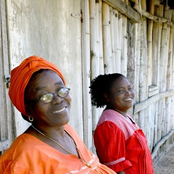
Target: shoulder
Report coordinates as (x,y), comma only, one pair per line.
(15,157)
(25,148)
(110,115)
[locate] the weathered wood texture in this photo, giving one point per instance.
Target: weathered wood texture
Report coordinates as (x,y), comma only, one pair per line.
(138,42)
(6,120)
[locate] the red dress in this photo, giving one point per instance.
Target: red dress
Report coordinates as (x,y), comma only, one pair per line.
(122,145)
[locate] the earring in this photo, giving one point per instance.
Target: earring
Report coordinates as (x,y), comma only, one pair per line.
(30,118)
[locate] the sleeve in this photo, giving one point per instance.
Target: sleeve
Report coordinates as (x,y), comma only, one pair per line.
(13,167)
(110,144)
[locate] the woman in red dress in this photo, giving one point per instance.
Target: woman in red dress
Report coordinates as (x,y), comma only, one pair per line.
(119,142)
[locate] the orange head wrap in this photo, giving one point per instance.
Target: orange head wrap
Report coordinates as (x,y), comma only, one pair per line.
(21,75)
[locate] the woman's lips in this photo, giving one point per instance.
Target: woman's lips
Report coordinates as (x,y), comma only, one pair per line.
(58,111)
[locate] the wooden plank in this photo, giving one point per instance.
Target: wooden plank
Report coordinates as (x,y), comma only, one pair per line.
(153,88)
(160,143)
(140,106)
(153,17)
(152,93)
(124,9)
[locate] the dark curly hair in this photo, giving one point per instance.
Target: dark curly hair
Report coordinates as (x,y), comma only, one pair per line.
(101,85)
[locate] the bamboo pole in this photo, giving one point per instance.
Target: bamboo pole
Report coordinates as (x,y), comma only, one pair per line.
(164,50)
(157,27)
(119,46)
(131,62)
(143,62)
(143,4)
(159,120)
(172,115)
(164,57)
(94,53)
(172,30)
(151,127)
(155,139)
(168,114)
(149,46)
(114,39)
(93,40)
(106,39)
(117,43)
(112,36)
(169,67)
(101,62)
(87,114)
(124,47)
(137,61)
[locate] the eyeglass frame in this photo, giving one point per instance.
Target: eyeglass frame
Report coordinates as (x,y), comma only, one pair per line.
(39,99)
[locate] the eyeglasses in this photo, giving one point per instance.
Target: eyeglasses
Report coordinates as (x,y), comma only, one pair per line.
(47,98)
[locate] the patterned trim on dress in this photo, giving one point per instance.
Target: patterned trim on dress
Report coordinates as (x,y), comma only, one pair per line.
(85,167)
(115,162)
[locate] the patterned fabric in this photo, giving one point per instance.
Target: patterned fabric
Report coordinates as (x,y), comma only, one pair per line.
(122,145)
(29,155)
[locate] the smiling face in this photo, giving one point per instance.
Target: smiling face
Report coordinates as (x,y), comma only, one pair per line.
(54,113)
(121,95)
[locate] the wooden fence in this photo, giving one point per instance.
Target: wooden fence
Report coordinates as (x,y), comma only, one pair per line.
(136,40)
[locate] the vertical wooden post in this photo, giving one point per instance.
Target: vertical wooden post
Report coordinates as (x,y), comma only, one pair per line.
(101,61)
(106,39)
(87,112)
(124,47)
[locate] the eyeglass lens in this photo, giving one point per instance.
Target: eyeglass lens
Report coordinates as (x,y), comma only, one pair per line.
(63,92)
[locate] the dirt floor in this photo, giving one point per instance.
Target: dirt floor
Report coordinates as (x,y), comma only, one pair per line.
(165,164)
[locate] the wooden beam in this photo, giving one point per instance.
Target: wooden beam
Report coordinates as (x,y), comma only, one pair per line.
(161,142)
(153,17)
(124,9)
(140,106)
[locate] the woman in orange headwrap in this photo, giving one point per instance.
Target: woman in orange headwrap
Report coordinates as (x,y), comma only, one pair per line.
(50,145)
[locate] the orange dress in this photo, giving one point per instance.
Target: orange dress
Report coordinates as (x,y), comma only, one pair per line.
(29,155)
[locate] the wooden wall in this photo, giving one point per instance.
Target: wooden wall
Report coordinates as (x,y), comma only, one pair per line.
(136,40)
(6,121)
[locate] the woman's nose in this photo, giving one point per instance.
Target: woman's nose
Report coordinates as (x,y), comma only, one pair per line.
(57,99)
(127,91)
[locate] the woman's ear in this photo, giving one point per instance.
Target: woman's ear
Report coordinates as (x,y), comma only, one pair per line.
(106,97)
